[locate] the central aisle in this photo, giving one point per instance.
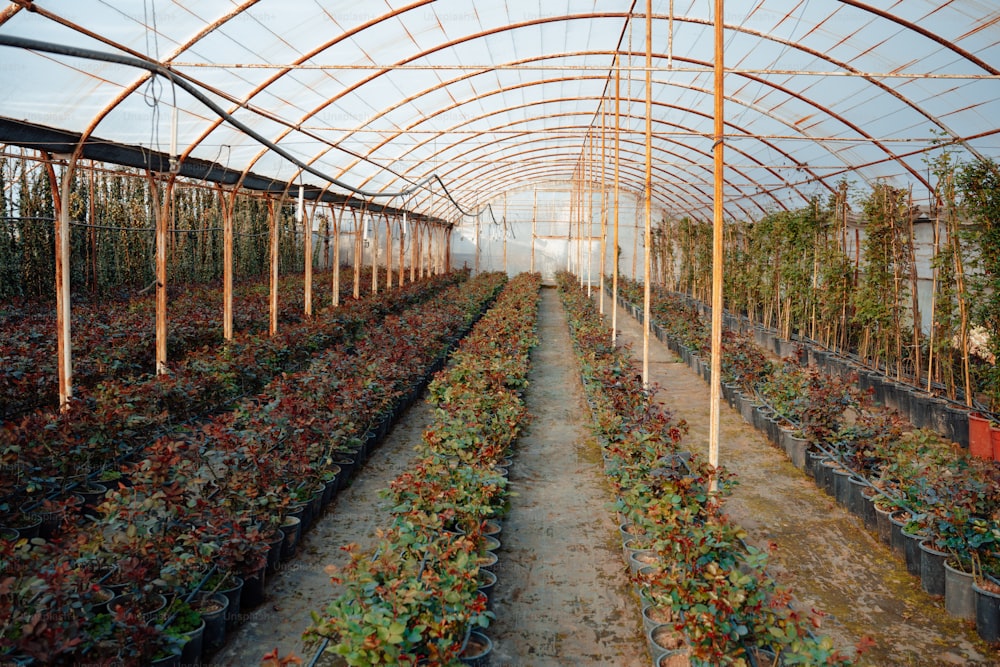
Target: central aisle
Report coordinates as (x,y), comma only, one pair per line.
(562,596)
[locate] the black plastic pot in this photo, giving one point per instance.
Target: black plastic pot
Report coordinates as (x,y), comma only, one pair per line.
(987,613)
(911,551)
(932,568)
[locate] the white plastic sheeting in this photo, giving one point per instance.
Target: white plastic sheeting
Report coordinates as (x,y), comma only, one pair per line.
(494,96)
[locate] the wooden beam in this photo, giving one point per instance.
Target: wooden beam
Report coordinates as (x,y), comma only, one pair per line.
(273,301)
(64,351)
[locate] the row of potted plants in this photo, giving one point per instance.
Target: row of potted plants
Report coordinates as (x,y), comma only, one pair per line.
(48,453)
(115,338)
(902,481)
(707,595)
(417,596)
(210,508)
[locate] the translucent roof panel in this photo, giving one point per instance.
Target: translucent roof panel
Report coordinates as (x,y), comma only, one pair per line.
(492,97)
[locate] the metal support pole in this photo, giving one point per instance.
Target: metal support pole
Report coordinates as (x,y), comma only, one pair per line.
(615,250)
(717,256)
(648,195)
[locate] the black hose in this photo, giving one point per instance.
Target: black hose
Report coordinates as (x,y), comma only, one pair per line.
(158,69)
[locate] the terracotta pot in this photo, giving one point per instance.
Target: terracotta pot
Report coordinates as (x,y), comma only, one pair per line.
(980,440)
(995,441)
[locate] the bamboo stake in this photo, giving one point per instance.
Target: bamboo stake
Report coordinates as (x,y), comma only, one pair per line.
(914,296)
(963,308)
(934,293)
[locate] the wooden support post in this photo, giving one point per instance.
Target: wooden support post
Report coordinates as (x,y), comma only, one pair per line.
(534,228)
(335,301)
(414,250)
(359,220)
(402,250)
(162,210)
(374,246)
(61,190)
(717,249)
(272,222)
(306,222)
(648,194)
(447,250)
(388,252)
(505,223)
(227,205)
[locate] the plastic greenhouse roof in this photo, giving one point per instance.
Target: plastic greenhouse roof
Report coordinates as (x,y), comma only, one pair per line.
(496,96)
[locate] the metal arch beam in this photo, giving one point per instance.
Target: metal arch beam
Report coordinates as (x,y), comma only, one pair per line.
(506,89)
(657,120)
(560,172)
(594,15)
(923,32)
(468,38)
(742,130)
(567,165)
(549,170)
(572,165)
(549,101)
(280,73)
(469,175)
(757,79)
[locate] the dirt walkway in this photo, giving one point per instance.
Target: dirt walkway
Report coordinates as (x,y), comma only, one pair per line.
(302,585)
(822,551)
(563,597)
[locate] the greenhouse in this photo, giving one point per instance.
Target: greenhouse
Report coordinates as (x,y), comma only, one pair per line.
(646,332)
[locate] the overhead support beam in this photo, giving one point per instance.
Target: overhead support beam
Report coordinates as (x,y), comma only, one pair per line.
(52,140)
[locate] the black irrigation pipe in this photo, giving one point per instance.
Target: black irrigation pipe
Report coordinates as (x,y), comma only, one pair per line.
(157,69)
